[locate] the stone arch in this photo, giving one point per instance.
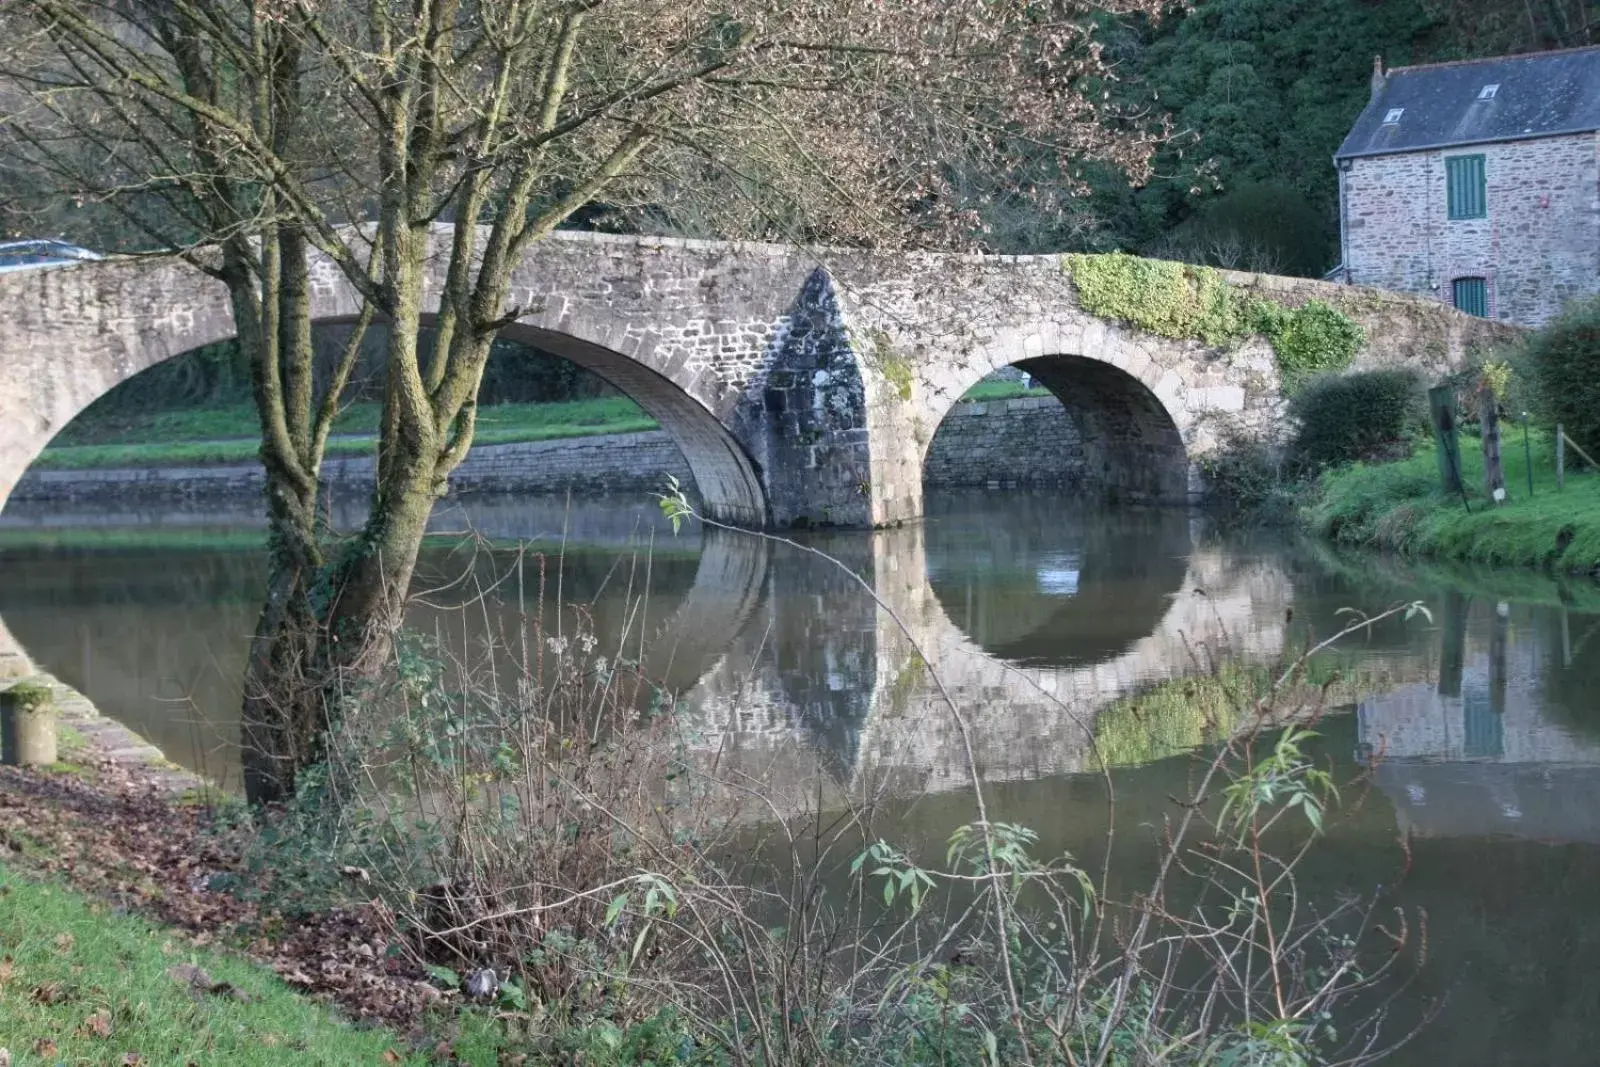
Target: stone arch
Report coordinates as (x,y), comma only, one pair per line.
(1129,413)
(730,489)
(72,334)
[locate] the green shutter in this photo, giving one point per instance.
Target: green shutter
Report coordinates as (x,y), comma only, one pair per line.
(1472,296)
(1469,198)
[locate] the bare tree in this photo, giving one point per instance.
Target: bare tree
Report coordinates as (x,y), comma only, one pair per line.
(246,135)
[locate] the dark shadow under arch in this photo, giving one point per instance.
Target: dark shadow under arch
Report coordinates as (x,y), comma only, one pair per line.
(1112,438)
(1132,450)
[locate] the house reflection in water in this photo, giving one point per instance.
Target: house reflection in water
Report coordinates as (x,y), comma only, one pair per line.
(1490,749)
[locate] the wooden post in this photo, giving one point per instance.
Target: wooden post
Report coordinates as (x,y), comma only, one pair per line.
(1453,642)
(1561,458)
(1442,408)
(1527,454)
(1499,632)
(1494,474)
(27,726)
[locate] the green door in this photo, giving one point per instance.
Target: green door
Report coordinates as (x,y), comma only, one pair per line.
(1472,296)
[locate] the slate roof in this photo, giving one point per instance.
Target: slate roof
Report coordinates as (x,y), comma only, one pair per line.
(1541,94)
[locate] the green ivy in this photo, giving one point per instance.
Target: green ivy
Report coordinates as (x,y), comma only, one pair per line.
(1159,296)
(1312,339)
(1185,302)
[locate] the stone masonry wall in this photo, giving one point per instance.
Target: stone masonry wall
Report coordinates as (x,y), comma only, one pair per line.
(614,463)
(1025,441)
(1538,247)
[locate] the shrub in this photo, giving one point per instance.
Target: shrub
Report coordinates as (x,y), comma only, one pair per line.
(1367,416)
(1243,479)
(1564,360)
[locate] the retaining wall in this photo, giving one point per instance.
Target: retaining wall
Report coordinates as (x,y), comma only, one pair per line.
(1025,441)
(611,463)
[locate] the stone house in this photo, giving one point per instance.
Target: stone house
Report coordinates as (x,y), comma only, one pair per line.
(1478,183)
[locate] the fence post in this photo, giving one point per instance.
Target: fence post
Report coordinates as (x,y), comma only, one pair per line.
(1527,454)
(1561,458)
(1442,408)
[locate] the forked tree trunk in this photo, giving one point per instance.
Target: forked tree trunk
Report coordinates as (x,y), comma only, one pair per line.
(329,622)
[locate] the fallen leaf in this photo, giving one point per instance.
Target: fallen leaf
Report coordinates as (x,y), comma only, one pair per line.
(44,1047)
(132,1059)
(98,1024)
(64,943)
(391,1056)
(47,993)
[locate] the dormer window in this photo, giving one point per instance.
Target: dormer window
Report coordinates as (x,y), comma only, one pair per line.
(1488,92)
(1393,116)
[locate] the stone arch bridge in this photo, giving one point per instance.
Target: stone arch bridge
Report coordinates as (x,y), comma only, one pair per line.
(802,386)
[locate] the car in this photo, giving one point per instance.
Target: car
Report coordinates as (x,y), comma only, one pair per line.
(24,255)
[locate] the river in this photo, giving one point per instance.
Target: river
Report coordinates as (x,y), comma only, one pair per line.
(1482,722)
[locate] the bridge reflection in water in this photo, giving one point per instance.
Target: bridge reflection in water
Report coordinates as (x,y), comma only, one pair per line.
(1033,618)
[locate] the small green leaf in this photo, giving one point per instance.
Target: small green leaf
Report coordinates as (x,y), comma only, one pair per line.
(444,976)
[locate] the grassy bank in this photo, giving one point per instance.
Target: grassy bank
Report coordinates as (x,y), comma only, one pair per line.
(227,434)
(1400,507)
(79,984)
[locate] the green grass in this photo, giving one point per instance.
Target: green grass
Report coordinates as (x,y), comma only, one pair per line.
(79,984)
(1400,507)
(157,539)
(1002,390)
(201,436)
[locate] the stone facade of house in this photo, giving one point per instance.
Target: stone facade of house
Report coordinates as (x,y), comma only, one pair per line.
(1537,248)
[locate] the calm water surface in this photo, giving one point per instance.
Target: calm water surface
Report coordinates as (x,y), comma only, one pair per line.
(1483,723)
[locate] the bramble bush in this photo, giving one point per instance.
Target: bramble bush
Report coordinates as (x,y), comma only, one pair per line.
(1367,416)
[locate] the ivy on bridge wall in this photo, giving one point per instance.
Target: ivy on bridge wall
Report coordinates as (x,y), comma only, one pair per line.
(1186,302)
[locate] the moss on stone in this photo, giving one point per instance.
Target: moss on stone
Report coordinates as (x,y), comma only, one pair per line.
(30,696)
(895,369)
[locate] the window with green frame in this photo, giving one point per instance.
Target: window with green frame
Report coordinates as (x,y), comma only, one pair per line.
(1472,296)
(1467,183)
